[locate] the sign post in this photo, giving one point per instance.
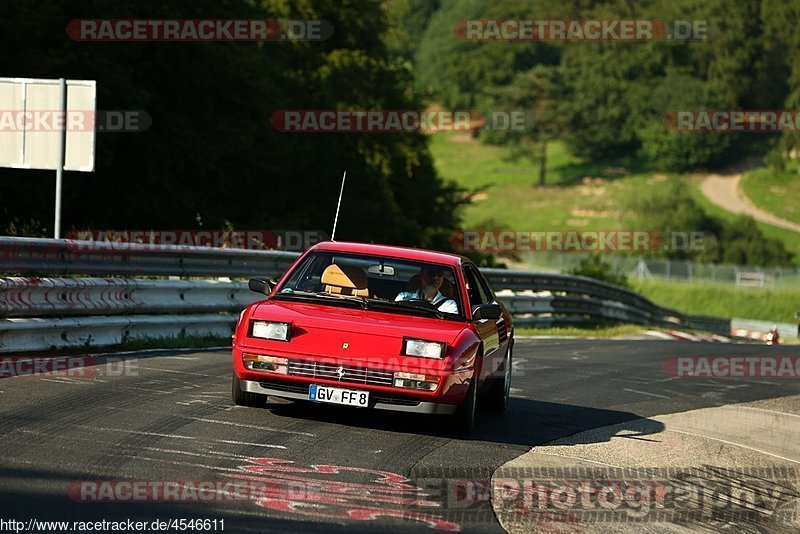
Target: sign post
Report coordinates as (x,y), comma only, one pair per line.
(62,108)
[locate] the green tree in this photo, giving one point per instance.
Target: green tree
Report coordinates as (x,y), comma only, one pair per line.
(210,155)
(538,93)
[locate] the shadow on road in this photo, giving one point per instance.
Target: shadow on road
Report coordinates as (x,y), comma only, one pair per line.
(526,422)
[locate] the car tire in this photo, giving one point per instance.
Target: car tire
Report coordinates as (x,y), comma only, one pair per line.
(241,397)
(497,397)
(464,418)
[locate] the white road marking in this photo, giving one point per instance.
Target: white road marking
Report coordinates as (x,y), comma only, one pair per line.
(187,464)
(769,411)
(95,440)
(551,444)
(734,444)
(140,432)
(202,420)
(243,425)
(646,393)
(234,442)
(59,381)
(178,372)
(161,391)
(187,453)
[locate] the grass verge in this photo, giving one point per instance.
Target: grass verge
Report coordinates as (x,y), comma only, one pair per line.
(723,301)
(597,331)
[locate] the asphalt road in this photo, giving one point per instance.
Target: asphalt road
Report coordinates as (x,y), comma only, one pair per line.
(159,418)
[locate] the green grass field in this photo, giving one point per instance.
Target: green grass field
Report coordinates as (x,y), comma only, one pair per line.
(577,196)
(723,300)
(775,192)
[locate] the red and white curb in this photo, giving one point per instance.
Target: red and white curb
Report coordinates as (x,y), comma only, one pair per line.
(685,336)
(749,334)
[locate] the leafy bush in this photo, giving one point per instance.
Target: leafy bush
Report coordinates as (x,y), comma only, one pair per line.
(671,208)
(595,267)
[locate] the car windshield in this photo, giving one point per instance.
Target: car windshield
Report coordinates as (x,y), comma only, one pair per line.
(374,282)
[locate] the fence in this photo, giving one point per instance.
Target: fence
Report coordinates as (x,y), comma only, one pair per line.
(40,313)
(637,268)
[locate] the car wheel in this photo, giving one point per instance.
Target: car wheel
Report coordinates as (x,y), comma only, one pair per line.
(497,398)
(241,397)
(464,418)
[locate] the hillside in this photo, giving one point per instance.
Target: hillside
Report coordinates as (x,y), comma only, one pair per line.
(578,195)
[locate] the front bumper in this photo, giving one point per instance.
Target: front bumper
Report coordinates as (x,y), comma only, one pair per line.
(378,401)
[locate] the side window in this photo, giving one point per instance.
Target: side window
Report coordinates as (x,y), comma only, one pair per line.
(486,290)
(474,290)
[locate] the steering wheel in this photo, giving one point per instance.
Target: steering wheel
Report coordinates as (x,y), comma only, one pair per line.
(424,302)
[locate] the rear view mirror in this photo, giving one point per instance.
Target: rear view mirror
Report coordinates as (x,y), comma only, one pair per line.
(260,285)
(486,311)
(383,270)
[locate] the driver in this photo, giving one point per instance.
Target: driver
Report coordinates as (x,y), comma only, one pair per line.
(431,278)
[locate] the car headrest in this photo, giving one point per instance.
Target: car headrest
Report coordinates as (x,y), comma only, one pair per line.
(344,276)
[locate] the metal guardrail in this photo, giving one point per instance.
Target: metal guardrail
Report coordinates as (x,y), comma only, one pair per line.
(34,334)
(48,297)
(45,313)
(544,299)
(36,256)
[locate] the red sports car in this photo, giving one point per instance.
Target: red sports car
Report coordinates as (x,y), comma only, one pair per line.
(375,326)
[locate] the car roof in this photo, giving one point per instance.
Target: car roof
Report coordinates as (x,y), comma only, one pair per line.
(405,253)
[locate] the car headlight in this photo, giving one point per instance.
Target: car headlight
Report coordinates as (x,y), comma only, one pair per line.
(270,330)
(422,348)
(268,364)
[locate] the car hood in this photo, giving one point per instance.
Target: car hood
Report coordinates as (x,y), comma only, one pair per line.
(319,329)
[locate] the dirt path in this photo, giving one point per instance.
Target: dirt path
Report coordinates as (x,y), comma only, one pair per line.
(725,191)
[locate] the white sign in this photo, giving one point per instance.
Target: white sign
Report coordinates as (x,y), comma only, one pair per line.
(33,123)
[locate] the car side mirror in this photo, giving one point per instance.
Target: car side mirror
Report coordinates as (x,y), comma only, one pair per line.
(260,285)
(486,311)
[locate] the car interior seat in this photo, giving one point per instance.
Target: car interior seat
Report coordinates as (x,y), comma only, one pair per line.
(344,280)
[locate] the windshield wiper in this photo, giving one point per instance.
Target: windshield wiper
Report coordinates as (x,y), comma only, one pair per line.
(408,305)
(322,295)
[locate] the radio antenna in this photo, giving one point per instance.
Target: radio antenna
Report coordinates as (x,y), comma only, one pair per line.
(338,204)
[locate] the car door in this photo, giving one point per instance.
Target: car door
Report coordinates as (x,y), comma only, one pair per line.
(503,323)
(486,329)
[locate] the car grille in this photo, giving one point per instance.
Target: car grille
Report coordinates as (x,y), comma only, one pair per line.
(342,373)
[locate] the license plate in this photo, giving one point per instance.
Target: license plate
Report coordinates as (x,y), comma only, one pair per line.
(348,397)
